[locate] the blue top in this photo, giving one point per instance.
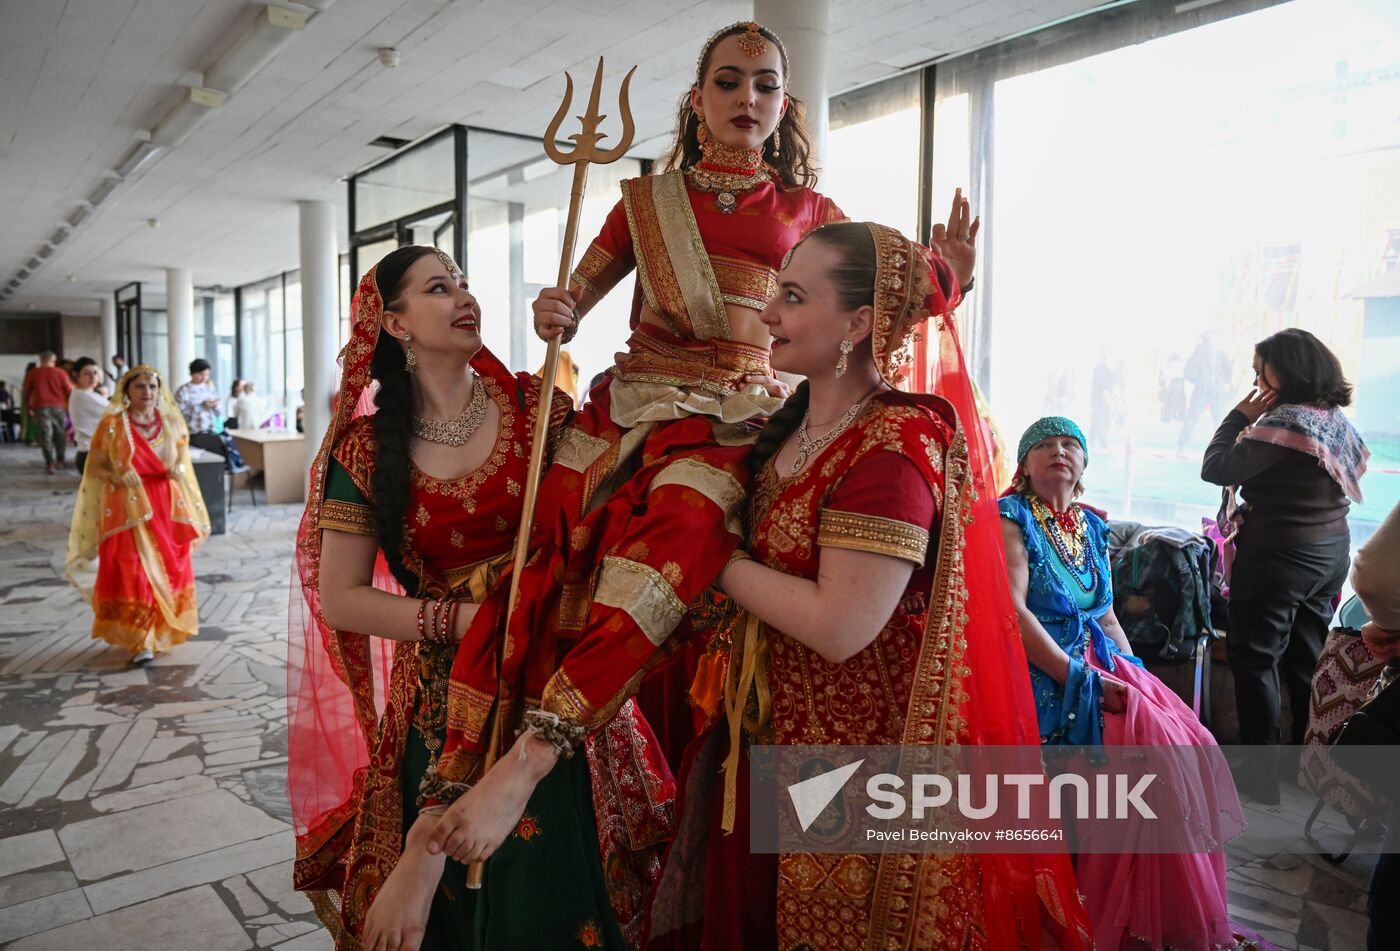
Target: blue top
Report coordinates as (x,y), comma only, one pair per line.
(1069,712)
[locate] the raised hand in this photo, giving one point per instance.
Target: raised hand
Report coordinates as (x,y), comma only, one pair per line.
(956,242)
(1257,403)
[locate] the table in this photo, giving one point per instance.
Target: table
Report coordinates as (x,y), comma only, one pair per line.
(282,458)
(209,473)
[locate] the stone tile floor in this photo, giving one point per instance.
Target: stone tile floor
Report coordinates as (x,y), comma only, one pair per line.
(147,808)
(144,808)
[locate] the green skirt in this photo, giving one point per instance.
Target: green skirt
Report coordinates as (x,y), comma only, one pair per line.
(543,887)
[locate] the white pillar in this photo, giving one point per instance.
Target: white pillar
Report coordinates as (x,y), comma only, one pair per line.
(319,317)
(804,26)
(179,323)
(109,332)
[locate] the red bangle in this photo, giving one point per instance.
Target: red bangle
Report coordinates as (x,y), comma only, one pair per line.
(422,607)
(450,634)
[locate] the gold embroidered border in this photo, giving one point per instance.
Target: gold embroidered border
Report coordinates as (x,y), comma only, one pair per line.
(573,606)
(577,450)
(746,283)
(563,698)
(598,271)
(872,533)
(718,486)
(468,709)
(904,902)
(643,593)
(349,517)
(677,279)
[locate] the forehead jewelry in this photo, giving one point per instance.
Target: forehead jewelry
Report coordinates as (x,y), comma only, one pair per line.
(752,41)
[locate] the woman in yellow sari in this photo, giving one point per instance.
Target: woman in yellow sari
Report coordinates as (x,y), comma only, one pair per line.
(139,514)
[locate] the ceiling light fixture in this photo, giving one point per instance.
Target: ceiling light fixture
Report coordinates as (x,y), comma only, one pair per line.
(272,29)
(141,154)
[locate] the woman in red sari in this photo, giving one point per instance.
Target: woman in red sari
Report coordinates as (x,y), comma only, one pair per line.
(871,530)
(139,513)
(413,508)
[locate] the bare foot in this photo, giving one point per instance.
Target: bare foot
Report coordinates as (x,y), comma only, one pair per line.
(399,915)
(474,827)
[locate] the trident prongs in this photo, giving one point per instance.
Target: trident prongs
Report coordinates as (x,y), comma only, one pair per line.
(587,138)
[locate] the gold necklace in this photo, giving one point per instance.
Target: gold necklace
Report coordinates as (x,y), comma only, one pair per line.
(455,431)
(1072,544)
(728,172)
(807,447)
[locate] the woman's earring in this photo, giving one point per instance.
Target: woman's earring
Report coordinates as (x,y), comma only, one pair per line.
(702,131)
(410,362)
(777,142)
(846,348)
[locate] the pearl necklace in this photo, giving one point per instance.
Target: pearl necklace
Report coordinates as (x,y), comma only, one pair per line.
(455,431)
(807,447)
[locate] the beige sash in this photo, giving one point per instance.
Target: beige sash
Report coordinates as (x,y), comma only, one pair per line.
(672,262)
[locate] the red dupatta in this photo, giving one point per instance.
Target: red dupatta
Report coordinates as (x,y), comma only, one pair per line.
(336,679)
(999,708)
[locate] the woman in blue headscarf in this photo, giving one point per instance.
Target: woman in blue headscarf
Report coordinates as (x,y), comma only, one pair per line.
(1090,690)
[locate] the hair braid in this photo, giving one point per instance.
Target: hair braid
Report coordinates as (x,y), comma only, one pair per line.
(393,428)
(778,428)
(393,421)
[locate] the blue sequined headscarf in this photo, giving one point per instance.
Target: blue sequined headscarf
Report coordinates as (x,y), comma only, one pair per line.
(1046,427)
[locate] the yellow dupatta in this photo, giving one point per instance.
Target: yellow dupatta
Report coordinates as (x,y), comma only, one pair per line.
(106,506)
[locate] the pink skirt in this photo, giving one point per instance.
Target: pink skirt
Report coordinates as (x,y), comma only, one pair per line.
(1137,900)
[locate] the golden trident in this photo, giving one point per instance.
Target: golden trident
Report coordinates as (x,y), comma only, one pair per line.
(584,153)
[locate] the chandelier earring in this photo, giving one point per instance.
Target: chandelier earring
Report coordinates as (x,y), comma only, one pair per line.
(410,362)
(777,142)
(702,130)
(841,362)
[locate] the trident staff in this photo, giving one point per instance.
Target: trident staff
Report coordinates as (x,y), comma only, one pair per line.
(585,152)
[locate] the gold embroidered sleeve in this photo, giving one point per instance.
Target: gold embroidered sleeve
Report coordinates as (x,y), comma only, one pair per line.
(345,508)
(598,271)
(882,536)
(348,517)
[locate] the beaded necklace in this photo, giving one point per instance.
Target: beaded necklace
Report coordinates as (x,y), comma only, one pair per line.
(1068,533)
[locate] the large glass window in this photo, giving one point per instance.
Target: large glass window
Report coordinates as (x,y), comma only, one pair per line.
(418,178)
(215,335)
(1153,210)
(872,154)
(259,319)
(517,207)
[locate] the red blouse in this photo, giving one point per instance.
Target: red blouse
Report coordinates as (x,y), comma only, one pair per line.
(450,524)
(745,248)
(878,488)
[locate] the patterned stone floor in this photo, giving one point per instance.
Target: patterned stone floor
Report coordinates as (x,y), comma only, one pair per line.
(146,808)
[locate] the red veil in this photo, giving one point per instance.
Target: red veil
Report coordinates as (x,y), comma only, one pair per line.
(336,679)
(997,707)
